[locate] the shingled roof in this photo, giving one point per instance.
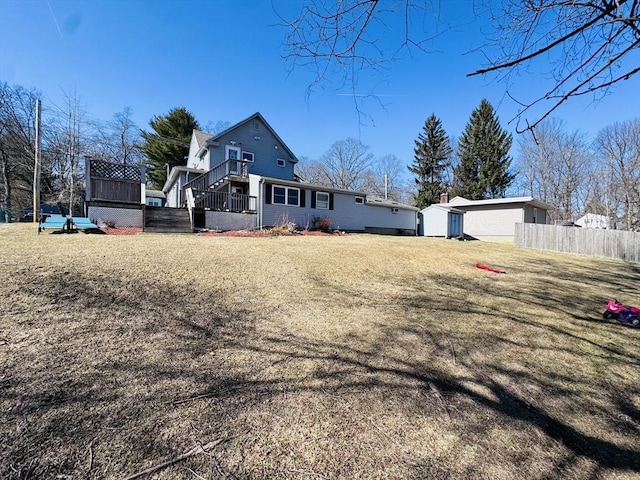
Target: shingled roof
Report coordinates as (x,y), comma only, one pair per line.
(201,137)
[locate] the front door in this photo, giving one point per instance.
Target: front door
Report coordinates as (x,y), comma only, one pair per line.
(455,225)
(233,155)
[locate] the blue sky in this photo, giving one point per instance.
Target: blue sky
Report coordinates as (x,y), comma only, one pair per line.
(222,60)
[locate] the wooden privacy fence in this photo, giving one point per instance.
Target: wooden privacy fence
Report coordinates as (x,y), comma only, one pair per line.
(113,182)
(620,244)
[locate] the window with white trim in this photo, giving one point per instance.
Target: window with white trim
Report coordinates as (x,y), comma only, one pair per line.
(322,200)
(285,196)
(359,200)
(248,156)
(281,162)
(231,152)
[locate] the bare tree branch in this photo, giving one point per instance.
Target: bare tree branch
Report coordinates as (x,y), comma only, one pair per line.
(582,45)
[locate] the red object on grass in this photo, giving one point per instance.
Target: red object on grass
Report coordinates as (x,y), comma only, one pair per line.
(491,269)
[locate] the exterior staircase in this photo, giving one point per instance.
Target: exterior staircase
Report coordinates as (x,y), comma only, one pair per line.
(167,220)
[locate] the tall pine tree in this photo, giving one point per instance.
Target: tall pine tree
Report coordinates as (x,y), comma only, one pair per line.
(168,144)
(432,154)
(483,150)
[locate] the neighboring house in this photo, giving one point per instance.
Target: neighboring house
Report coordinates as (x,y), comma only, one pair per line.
(439,220)
(155,198)
(591,220)
(495,219)
(244,177)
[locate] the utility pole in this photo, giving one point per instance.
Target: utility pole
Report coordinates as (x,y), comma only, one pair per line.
(386,186)
(36,166)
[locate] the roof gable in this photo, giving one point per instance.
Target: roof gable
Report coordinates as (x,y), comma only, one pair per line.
(201,137)
(255,116)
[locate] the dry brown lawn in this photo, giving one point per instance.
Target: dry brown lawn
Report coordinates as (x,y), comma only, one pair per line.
(312,357)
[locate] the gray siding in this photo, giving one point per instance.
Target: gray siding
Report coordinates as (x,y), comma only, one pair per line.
(534,215)
(264,150)
(346,214)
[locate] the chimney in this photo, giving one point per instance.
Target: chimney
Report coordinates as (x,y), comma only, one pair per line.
(444,197)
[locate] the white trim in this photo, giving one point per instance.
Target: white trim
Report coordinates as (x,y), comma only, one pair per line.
(283,164)
(247,153)
(327,202)
(286,195)
(228,148)
(358,200)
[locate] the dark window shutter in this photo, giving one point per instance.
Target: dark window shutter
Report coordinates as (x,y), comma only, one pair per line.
(303,197)
(313,199)
(331,201)
(267,193)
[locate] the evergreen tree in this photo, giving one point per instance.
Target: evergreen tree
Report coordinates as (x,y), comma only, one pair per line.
(432,154)
(168,144)
(483,149)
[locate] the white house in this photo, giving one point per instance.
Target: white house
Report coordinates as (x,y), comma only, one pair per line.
(493,219)
(591,220)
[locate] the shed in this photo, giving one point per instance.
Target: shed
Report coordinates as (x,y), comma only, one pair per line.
(440,220)
(495,219)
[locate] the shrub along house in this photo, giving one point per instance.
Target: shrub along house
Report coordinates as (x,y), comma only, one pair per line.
(244,177)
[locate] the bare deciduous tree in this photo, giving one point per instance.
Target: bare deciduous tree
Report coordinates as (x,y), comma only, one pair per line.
(311,171)
(17,137)
(341,39)
(593,43)
(554,166)
(118,140)
(618,145)
(346,163)
(385,179)
(67,142)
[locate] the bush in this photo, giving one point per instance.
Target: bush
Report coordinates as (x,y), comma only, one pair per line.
(284,227)
(323,223)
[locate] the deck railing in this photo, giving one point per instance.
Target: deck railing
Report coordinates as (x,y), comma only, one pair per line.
(224,201)
(232,167)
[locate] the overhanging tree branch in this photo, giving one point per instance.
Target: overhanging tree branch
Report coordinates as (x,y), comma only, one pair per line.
(546,48)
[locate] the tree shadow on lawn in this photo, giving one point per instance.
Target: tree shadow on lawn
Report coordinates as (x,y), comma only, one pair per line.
(344,366)
(83,383)
(604,453)
(165,370)
(343,373)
